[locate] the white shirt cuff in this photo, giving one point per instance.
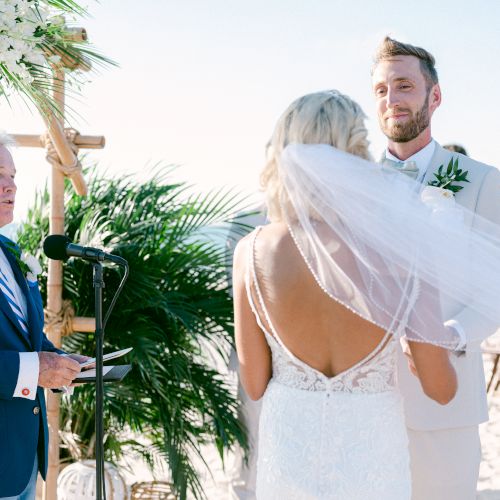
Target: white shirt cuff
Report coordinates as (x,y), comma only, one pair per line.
(457,327)
(27,380)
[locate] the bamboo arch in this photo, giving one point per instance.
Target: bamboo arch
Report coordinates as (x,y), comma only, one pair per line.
(62,146)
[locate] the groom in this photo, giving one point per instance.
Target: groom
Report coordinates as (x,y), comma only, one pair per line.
(28,361)
(445,448)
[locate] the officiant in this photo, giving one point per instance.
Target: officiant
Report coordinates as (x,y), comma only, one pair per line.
(29,361)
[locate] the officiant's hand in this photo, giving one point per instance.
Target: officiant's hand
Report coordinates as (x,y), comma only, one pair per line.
(56,370)
(80,358)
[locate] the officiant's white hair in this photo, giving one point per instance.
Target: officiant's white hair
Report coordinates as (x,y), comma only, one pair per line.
(6,140)
(326,117)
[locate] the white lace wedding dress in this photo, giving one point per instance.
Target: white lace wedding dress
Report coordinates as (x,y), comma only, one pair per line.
(322,437)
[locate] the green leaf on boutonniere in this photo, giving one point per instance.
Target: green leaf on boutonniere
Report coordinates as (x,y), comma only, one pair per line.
(16,252)
(453,174)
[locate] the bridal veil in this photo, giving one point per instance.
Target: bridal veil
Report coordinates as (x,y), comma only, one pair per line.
(386,249)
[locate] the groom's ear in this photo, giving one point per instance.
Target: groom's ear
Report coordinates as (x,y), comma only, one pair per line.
(434,97)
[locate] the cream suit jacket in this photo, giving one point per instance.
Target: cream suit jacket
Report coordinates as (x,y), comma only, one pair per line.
(469,407)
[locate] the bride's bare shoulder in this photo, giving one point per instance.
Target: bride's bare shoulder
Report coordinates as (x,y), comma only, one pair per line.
(274,232)
(271,238)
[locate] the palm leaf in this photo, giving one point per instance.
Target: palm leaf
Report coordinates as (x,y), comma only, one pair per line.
(174,310)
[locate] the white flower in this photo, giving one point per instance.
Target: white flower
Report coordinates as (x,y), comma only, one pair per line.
(35,57)
(436,197)
(54,59)
(33,264)
(57,20)
(443,206)
(28,29)
(23,7)
(5,42)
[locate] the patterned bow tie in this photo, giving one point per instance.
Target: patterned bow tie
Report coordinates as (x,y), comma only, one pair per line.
(408,168)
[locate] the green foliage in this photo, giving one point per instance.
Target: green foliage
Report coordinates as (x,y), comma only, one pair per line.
(174,308)
(453,174)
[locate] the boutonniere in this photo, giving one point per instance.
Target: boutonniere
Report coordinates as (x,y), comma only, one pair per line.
(443,207)
(29,265)
(453,174)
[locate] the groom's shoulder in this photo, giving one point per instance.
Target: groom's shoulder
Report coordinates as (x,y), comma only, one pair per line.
(474,167)
(472,163)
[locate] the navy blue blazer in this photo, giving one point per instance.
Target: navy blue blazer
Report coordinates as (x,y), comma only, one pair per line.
(23,422)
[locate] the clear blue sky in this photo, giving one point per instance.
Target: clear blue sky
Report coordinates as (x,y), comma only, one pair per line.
(202,83)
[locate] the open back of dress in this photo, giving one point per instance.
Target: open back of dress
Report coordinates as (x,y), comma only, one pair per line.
(374,373)
(329,437)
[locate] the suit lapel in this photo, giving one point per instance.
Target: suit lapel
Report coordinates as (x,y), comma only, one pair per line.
(21,281)
(440,157)
(7,310)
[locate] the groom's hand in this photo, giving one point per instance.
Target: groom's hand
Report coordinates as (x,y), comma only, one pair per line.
(411,364)
(56,370)
(409,357)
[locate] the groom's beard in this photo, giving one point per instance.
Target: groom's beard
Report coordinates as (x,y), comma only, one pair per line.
(405,132)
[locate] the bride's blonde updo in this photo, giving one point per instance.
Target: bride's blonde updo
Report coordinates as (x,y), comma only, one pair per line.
(327,117)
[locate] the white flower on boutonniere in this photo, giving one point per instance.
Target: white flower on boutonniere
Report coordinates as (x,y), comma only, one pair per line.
(29,265)
(443,206)
(33,265)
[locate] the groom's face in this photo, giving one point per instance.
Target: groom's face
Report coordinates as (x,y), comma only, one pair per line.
(405,102)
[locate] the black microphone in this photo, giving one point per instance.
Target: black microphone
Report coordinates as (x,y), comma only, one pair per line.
(59,247)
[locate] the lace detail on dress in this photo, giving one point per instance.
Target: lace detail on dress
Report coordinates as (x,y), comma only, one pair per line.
(373,374)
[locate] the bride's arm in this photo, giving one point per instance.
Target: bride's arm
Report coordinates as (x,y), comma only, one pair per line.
(254,355)
(432,365)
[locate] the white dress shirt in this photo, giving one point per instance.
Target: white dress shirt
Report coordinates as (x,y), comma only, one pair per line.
(29,365)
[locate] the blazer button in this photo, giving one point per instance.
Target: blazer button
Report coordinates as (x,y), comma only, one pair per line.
(36,410)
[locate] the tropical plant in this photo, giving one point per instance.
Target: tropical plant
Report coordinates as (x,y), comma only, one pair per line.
(174,309)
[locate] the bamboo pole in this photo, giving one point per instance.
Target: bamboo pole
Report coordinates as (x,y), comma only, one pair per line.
(82,324)
(82,141)
(70,59)
(61,145)
(76,35)
(55,282)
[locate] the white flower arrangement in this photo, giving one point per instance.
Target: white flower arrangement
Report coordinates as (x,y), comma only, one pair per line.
(23,31)
(33,39)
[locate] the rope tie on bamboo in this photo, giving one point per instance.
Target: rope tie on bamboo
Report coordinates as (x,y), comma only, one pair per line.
(62,319)
(54,159)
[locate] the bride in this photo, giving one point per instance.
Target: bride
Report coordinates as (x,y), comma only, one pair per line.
(352,261)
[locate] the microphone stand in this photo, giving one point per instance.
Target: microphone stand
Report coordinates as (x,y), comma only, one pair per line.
(99,388)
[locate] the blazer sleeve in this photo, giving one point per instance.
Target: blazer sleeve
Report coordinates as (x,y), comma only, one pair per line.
(47,345)
(487,206)
(9,364)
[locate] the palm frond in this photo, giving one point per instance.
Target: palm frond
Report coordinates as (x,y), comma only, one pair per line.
(175,308)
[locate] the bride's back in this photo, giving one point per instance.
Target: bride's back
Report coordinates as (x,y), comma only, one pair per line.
(315,328)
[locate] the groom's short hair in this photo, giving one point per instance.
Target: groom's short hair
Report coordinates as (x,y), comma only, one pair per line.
(390,48)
